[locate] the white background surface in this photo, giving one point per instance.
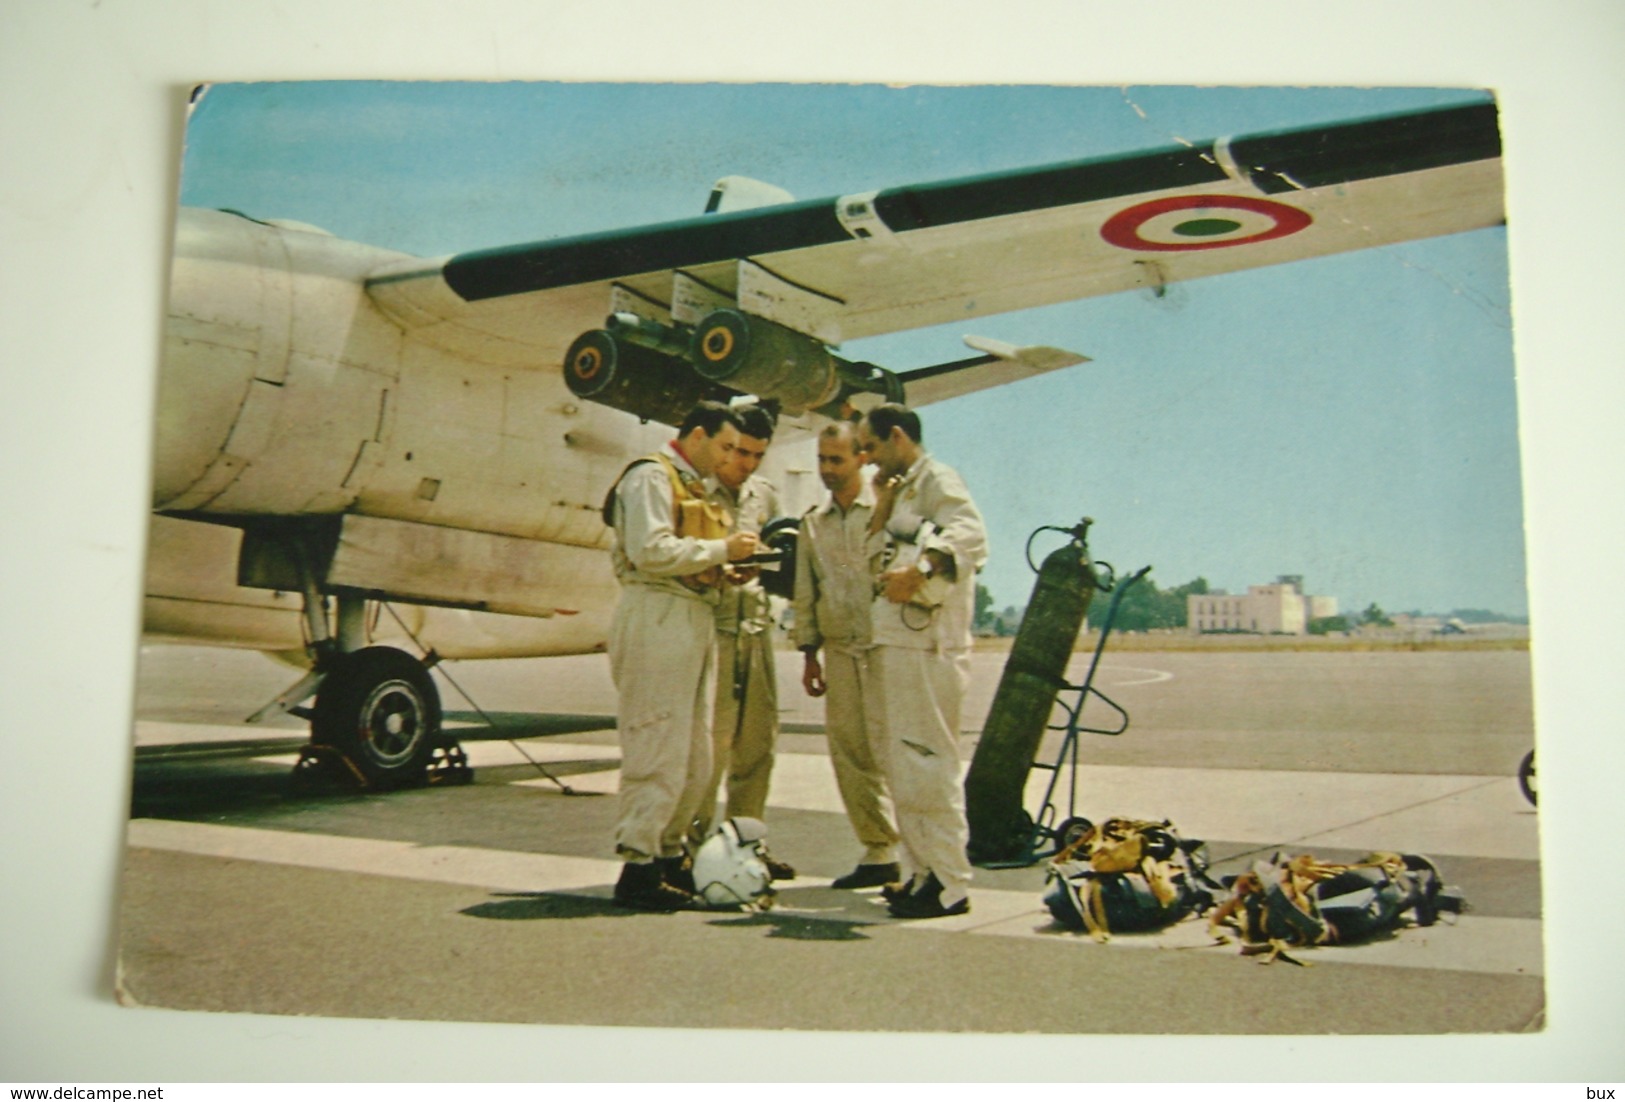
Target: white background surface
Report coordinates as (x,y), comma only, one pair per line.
(92,102)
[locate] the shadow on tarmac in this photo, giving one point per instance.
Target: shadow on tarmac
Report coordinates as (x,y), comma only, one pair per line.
(797,927)
(207,788)
(534,906)
(530,906)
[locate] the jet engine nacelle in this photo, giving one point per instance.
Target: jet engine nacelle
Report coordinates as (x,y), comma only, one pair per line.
(268,335)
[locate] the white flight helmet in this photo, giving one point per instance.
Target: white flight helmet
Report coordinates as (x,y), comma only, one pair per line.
(728,869)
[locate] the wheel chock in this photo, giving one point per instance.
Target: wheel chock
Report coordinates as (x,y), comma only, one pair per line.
(326,768)
(449,766)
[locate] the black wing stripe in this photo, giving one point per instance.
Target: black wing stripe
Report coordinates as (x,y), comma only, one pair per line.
(1280,162)
(1362,150)
(519,269)
(978,197)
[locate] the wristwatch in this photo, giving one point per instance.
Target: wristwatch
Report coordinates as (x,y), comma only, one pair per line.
(923,565)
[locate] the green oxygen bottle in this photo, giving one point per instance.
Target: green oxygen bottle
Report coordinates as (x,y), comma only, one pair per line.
(1000,830)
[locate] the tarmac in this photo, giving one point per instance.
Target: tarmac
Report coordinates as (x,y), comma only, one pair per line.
(491,901)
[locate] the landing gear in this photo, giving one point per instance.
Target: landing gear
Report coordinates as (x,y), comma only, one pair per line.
(375,721)
(379,708)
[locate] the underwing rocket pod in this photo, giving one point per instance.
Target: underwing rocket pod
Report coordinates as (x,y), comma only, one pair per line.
(761,357)
(1000,829)
(615,369)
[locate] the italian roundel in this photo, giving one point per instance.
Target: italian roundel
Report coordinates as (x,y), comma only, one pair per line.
(1183,223)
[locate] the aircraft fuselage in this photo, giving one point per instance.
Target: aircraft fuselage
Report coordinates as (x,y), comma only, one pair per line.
(286,395)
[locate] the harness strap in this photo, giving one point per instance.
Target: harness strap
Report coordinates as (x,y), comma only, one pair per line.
(692,517)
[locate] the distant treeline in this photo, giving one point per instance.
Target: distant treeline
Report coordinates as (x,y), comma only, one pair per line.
(1141,607)
(1144,606)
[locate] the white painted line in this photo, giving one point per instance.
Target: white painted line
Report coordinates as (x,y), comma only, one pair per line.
(489,755)
(1487,945)
(154,733)
(1154,675)
(1412,813)
(543,750)
(501,870)
(1461,816)
(149,732)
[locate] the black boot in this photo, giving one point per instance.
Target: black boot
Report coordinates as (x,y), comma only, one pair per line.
(925,901)
(641,888)
(776,869)
(678,872)
(869,876)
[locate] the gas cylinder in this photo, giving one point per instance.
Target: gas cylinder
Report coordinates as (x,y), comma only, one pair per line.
(1033,675)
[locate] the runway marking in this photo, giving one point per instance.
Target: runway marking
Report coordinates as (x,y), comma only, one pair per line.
(1156,675)
(150,732)
(1439,815)
(502,870)
(490,755)
(1501,946)
(155,733)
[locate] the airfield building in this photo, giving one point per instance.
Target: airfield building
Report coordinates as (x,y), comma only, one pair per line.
(1280,608)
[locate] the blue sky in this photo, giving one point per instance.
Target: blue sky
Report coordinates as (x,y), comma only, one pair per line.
(1351,419)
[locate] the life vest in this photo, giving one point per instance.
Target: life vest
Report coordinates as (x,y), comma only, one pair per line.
(693,517)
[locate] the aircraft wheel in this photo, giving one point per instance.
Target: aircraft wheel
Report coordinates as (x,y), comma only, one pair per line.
(1526,776)
(380,709)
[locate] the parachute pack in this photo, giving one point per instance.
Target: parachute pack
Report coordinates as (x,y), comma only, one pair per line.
(1127,875)
(1140,876)
(1300,901)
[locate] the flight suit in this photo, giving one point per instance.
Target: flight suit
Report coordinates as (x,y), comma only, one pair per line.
(745,726)
(661,647)
(833,591)
(922,655)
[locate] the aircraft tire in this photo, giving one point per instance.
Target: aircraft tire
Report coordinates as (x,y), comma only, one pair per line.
(379,708)
(1526,777)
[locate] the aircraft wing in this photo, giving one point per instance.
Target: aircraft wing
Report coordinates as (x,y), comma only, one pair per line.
(999,364)
(864,264)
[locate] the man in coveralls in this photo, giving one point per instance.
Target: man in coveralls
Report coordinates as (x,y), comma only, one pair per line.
(833,592)
(925,597)
(745,728)
(670,549)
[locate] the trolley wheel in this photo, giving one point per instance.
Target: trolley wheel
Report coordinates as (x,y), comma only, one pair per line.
(1526,777)
(1071,831)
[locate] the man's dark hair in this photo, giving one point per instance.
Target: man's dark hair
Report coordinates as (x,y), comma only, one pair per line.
(842,430)
(889,415)
(755,421)
(710,416)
